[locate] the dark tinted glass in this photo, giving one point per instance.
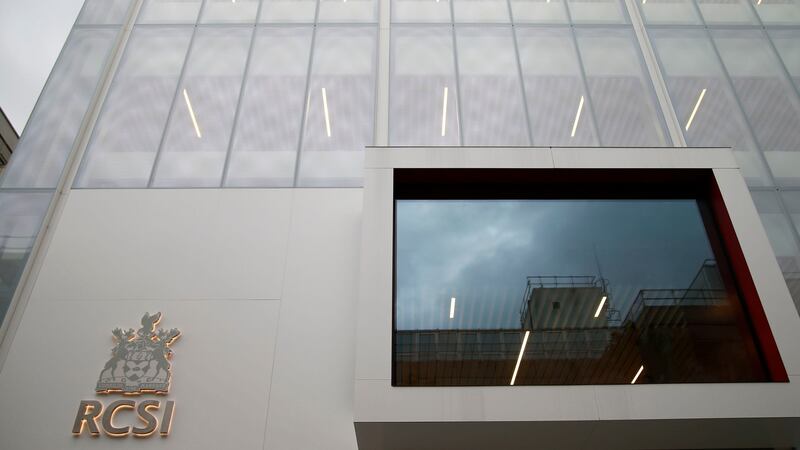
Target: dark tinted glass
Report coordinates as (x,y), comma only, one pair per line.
(536,292)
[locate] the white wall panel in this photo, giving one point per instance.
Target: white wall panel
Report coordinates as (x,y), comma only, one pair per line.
(168,244)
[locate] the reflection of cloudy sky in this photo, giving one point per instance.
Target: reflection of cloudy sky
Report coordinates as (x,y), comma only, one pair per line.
(482,251)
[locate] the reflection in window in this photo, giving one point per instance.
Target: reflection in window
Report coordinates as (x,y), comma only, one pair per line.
(534,292)
(339,116)
(423,92)
(128,132)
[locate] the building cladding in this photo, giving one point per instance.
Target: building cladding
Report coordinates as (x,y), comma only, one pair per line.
(301,273)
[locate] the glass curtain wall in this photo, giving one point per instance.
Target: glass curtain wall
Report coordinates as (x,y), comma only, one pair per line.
(214,93)
(732,70)
(50,136)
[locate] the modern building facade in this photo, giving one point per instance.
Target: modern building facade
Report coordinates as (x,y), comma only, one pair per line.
(340,224)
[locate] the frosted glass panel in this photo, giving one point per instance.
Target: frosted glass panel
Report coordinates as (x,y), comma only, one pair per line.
(597,11)
(50,133)
(227,11)
(340,118)
(557,105)
(781,236)
(479,11)
(169,11)
(779,12)
(268,129)
(769,100)
(423,93)
(420,10)
(348,11)
(103,12)
(129,130)
(621,94)
(21,218)
(539,11)
(291,11)
(491,95)
(727,12)
(704,103)
(197,137)
(787,43)
(656,12)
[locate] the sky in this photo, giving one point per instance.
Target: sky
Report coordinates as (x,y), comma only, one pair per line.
(32,33)
(482,252)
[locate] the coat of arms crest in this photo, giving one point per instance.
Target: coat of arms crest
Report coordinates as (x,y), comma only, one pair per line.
(140,360)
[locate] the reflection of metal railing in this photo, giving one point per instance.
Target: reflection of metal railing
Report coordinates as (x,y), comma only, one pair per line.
(556,282)
(674,297)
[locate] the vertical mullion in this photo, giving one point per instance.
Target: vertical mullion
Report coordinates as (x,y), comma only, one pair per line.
(308,96)
(519,74)
(457,73)
(242,87)
(175,97)
(589,102)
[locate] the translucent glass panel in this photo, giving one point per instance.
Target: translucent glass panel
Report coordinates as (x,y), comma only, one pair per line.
(704,104)
(657,12)
(103,12)
(781,236)
(22,215)
(128,132)
(727,12)
(169,11)
(787,43)
(557,105)
(559,290)
(423,91)
(421,11)
(769,100)
(51,130)
(539,11)
(340,11)
(597,11)
(492,108)
(199,130)
(227,11)
(621,94)
(778,12)
(478,11)
(340,116)
(288,11)
(264,149)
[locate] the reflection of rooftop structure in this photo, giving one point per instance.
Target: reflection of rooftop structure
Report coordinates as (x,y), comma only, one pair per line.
(681,335)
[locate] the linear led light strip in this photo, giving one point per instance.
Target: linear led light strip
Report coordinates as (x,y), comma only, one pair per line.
(600,306)
(696,106)
(633,381)
(519,358)
(452,307)
(191,114)
(577,117)
(444,114)
(325,109)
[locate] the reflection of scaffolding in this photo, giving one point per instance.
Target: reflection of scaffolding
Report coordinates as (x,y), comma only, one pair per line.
(561,302)
(674,299)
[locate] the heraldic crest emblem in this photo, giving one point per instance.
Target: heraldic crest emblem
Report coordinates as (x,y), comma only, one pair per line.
(140,361)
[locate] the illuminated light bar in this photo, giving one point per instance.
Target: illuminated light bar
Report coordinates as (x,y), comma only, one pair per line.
(696,107)
(452,307)
(600,306)
(577,117)
(191,114)
(444,112)
(325,108)
(633,381)
(644,2)
(519,358)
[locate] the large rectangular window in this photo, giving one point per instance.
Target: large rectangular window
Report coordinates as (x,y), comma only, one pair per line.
(567,281)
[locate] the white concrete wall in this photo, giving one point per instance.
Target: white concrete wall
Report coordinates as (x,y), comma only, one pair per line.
(262,283)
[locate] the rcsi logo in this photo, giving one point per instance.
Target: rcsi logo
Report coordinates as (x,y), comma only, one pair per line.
(139,364)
